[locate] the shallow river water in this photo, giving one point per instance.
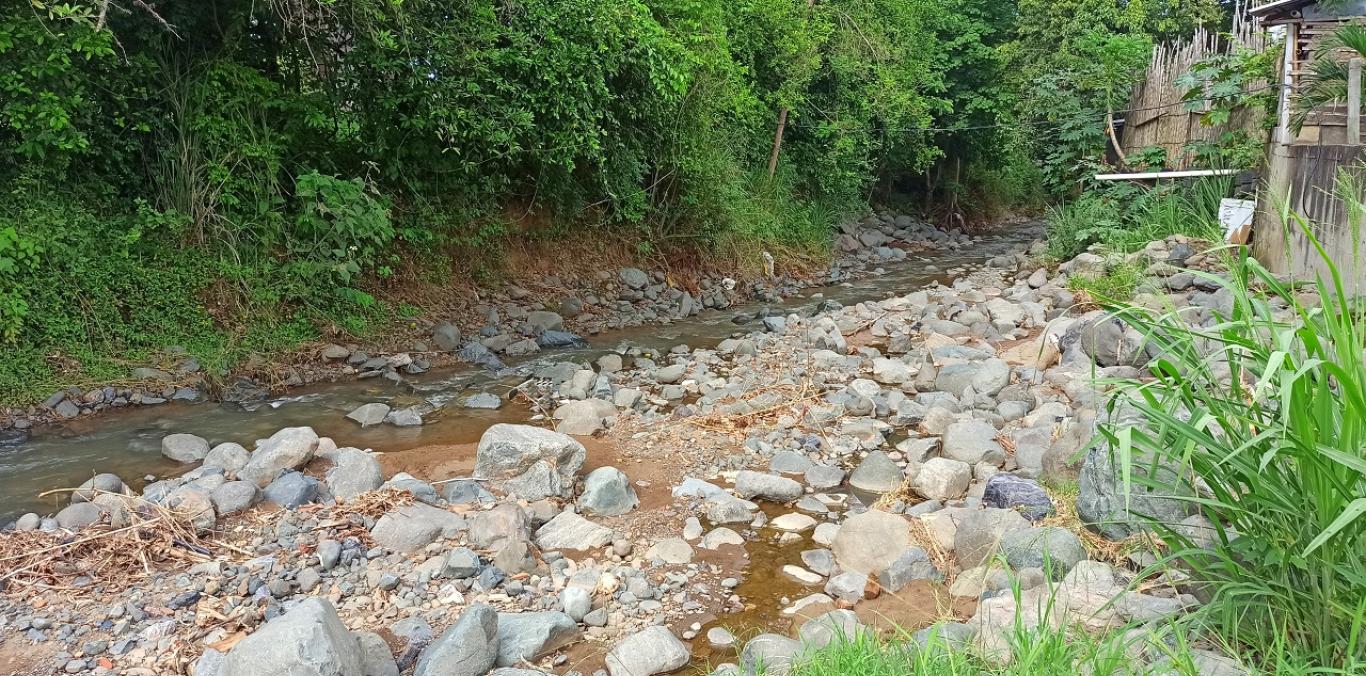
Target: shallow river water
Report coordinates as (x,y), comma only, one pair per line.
(128,442)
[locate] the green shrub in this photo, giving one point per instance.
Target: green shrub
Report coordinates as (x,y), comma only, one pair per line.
(1263,410)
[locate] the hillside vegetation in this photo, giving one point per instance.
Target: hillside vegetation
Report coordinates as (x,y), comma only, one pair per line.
(229,175)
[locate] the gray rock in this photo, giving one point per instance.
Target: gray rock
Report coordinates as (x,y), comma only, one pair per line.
(877,474)
(724,509)
(229,456)
(234,497)
(307,640)
(468,648)
(787,462)
(412,527)
(1026,496)
(79,515)
(329,553)
(985,377)
(832,627)
(527,636)
(1105,507)
(499,526)
(292,490)
(720,638)
(820,561)
(28,521)
(290,448)
(979,535)
(576,602)
(871,541)
(972,441)
(670,550)
(571,531)
(376,660)
(770,655)
(1110,342)
(420,489)
(768,486)
(483,400)
(100,484)
(466,492)
(848,587)
(532,462)
(607,491)
(634,278)
(1051,548)
(404,417)
(670,374)
(942,479)
(538,321)
(369,415)
(353,472)
(461,562)
(653,650)
(446,337)
(584,417)
(944,635)
(913,564)
(184,447)
(823,477)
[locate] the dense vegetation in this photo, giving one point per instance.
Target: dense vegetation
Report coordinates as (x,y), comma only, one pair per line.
(229,175)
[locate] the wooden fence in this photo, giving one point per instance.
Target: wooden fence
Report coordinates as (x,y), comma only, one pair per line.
(1309,180)
(1158,114)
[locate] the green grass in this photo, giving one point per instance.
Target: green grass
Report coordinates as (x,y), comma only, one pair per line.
(1265,411)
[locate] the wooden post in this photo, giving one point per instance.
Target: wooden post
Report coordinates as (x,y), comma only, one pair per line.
(1354,101)
(782,123)
(777,143)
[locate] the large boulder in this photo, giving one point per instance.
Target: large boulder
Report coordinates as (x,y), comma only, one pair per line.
(290,448)
(1110,342)
(307,640)
(870,542)
(607,491)
(468,648)
(532,463)
(1106,507)
(653,650)
(527,636)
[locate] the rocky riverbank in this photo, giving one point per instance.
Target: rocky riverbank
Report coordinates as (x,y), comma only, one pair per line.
(897,458)
(510,322)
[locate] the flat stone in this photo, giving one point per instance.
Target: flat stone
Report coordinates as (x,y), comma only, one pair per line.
(671,550)
(411,527)
(769,654)
(980,533)
(527,636)
(369,415)
(972,441)
(802,575)
(768,486)
(848,587)
(717,537)
(571,531)
(824,477)
(793,523)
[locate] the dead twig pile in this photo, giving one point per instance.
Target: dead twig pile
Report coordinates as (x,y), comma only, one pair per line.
(155,537)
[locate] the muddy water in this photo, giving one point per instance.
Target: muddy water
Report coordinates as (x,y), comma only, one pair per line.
(128,442)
